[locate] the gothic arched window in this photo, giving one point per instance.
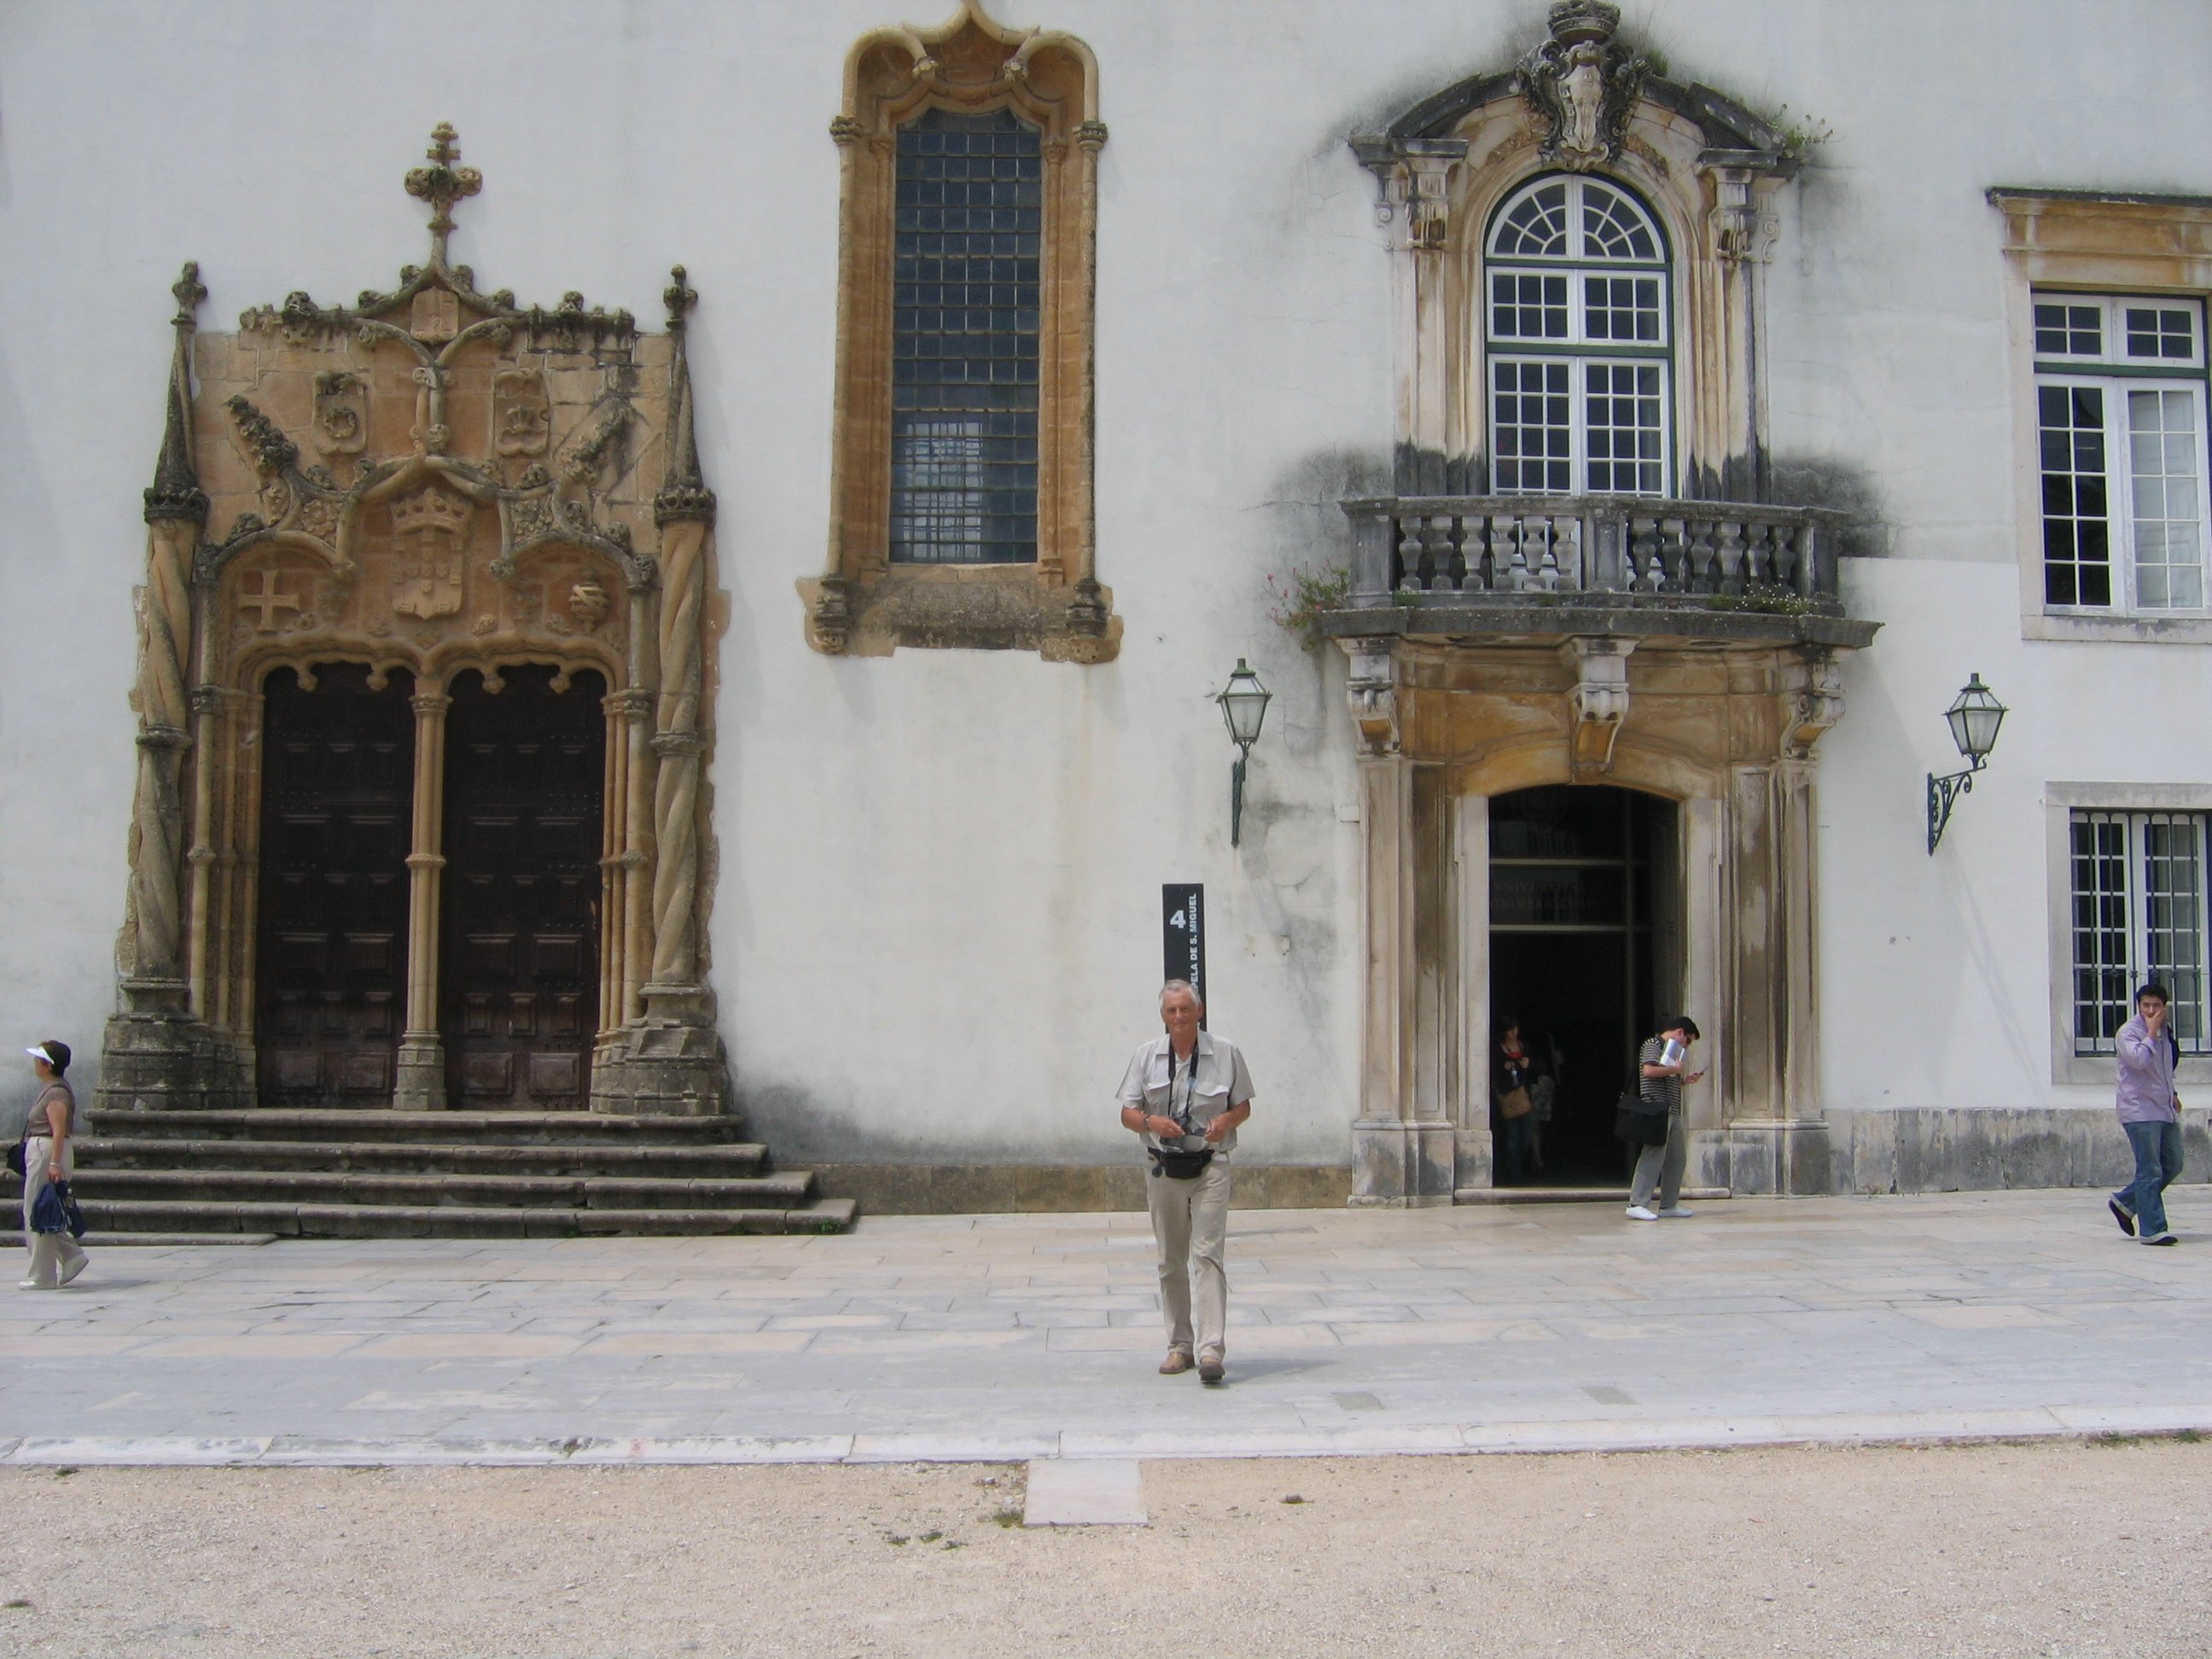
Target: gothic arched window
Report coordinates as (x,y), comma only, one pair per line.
(1576,305)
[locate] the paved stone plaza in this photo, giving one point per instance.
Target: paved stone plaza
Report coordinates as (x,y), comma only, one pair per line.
(1012,1337)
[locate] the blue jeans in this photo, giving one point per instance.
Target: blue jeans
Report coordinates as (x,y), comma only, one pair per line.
(1514,1136)
(2157,1162)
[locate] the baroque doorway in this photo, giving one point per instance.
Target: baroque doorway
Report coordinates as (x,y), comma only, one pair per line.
(526,770)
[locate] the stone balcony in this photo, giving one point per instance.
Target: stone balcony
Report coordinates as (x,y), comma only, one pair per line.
(1567,565)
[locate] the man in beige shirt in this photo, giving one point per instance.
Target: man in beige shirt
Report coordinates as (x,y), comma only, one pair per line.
(1184,1094)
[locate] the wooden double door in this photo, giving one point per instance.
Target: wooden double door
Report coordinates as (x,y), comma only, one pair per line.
(516,953)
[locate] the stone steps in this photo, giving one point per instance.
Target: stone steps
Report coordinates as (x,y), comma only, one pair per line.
(383,1174)
(734,1161)
(453,1221)
(387,1127)
(773,1192)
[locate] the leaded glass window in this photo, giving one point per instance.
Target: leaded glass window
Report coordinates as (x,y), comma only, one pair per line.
(2138,914)
(1578,321)
(2121,431)
(967,254)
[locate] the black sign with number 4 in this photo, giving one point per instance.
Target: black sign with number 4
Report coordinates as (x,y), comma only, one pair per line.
(1182,934)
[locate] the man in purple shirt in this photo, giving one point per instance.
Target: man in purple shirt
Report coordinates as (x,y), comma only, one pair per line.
(2150,1111)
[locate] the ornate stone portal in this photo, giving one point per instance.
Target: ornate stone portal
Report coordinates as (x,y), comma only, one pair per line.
(432,480)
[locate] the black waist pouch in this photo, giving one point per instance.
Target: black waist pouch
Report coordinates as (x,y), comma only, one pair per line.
(1179,1165)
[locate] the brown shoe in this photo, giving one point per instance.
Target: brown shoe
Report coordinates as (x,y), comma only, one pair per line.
(1210,1368)
(1175,1364)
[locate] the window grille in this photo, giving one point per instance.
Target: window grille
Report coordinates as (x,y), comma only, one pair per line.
(2138,904)
(2121,430)
(1578,325)
(966,253)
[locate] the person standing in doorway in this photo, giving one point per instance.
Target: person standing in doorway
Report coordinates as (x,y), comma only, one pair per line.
(1513,1082)
(2150,1112)
(48,1157)
(1185,1094)
(1663,1067)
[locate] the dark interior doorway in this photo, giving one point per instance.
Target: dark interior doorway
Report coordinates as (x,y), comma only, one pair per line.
(1584,947)
(526,783)
(336,776)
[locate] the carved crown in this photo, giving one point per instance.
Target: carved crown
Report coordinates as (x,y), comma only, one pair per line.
(432,509)
(1572,22)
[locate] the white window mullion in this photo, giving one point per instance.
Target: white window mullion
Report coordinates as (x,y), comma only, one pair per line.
(1579,392)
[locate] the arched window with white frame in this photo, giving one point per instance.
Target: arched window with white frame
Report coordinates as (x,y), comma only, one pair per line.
(1577,323)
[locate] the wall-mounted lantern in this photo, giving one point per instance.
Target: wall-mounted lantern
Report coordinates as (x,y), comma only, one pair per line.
(1244,706)
(1974,716)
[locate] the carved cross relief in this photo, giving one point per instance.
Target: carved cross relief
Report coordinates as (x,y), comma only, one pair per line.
(266,599)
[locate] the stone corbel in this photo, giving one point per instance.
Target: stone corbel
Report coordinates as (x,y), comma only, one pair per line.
(1813,705)
(1414,184)
(1742,220)
(1372,695)
(1600,698)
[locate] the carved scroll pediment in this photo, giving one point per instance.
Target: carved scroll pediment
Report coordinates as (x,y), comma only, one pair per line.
(1581,84)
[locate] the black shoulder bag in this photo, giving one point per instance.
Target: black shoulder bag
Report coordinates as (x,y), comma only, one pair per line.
(1639,1120)
(1173,1161)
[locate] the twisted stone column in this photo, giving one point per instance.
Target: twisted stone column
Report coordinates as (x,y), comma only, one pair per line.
(176,510)
(678,745)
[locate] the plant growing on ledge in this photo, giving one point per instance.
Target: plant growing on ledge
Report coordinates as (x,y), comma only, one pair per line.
(1765,600)
(1302,597)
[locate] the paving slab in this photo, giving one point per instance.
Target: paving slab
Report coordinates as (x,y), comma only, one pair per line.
(1014,1337)
(1100,1491)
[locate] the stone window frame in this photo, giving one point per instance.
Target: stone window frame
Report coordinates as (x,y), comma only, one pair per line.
(2060,800)
(2099,243)
(863,605)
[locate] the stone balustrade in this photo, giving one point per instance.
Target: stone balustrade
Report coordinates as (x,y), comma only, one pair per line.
(1408,549)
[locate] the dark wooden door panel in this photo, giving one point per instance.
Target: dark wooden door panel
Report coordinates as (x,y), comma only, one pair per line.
(519,983)
(338,775)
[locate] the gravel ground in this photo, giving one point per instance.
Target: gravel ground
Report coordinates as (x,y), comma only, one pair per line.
(2052,1548)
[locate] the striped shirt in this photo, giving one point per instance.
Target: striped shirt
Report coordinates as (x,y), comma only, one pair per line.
(1656,1089)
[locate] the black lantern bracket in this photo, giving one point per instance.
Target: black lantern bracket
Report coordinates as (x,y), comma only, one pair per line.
(1942,792)
(1244,710)
(1974,716)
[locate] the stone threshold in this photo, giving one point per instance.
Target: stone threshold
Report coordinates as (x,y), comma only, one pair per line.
(1572,1194)
(1630,1432)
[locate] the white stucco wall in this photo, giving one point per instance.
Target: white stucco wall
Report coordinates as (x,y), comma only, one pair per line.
(935,929)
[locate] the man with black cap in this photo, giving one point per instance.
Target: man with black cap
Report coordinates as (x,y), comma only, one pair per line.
(47,1160)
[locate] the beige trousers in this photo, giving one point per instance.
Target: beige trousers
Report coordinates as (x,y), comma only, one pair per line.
(1190,1224)
(1661,1167)
(54,1256)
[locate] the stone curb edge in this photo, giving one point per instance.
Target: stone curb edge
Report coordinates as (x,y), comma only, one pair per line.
(1608,1435)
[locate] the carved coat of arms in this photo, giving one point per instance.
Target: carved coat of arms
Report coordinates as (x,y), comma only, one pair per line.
(430,537)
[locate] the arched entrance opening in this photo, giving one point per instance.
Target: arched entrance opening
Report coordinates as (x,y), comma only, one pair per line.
(1584,923)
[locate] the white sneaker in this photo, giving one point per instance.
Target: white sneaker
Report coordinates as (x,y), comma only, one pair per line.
(1676,1212)
(31,1285)
(1637,1212)
(75,1268)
